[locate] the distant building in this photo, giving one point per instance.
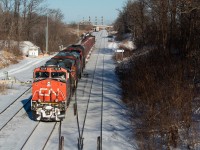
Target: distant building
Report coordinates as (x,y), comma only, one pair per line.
(29,49)
(33,51)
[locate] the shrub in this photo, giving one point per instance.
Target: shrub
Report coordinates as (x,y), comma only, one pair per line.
(3,88)
(159,96)
(10,56)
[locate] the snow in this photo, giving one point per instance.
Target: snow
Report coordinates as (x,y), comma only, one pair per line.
(128,44)
(113,45)
(24,69)
(116,128)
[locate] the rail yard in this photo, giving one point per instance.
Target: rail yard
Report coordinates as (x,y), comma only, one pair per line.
(93,117)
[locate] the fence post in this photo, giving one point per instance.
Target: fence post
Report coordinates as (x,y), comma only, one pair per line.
(98,143)
(75,109)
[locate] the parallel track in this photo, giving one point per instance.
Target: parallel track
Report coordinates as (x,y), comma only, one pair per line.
(24,106)
(81,131)
(49,136)
(15,100)
(30,135)
(60,127)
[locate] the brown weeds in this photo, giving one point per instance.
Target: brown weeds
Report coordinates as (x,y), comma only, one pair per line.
(10,56)
(3,88)
(159,95)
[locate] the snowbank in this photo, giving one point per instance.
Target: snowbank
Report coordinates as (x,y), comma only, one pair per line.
(113,45)
(128,45)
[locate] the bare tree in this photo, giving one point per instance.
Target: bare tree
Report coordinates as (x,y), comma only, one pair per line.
(159,88)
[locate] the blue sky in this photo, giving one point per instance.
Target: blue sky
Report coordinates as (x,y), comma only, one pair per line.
(76,10)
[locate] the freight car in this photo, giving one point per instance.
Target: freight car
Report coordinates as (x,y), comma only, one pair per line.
(53,83)
(88,42)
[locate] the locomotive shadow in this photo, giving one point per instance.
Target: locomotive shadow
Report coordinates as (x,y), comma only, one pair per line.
(27,107)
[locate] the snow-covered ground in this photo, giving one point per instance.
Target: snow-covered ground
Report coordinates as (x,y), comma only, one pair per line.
(99,83)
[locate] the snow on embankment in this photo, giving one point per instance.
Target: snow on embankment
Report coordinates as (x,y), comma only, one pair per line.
(7,58)
(117,129)
(113,45)
(13,53)
(128,45)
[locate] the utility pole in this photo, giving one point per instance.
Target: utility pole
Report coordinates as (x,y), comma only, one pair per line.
(83,20)
(95,21)
(89,20)
(47,38)
(78,29)
(102,20)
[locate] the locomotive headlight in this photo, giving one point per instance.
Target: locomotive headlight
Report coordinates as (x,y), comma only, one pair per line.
(48,84)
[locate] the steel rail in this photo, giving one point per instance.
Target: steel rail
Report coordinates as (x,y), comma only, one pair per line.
(16,113)
(85,117)
(16,100)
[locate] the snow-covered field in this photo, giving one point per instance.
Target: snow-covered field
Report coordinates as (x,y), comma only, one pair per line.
(99,84)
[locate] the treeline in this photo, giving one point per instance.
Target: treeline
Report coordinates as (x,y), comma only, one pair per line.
(161,87)
(168,24)
(26,20)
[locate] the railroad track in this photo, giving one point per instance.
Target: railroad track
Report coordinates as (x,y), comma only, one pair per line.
(81,130)
(12,114)
(26,91)
(42,145)
(36,127)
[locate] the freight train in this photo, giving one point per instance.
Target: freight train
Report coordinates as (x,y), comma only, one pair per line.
(55,82)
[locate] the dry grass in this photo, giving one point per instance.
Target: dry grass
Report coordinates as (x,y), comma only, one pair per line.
(3,88)
(158,93)
(10,56)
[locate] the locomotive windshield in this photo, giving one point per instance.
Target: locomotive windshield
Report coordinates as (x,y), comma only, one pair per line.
(61,75)
(41,74)
(76,51)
